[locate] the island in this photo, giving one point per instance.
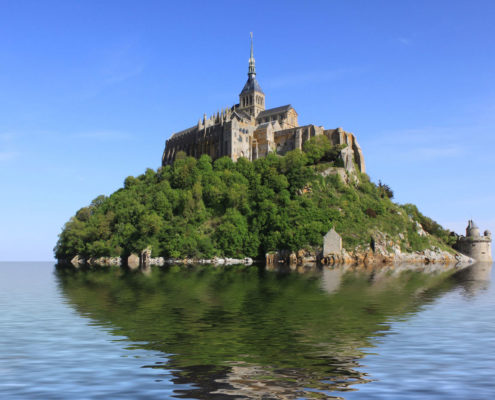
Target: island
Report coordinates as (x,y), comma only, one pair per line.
(248,183)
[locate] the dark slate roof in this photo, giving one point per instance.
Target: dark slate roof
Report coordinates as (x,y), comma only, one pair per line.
(272,111)
(243,114)
(265,125)
(184,132)
(251,85)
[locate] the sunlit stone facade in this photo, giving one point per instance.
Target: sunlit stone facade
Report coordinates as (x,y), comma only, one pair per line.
(249,130)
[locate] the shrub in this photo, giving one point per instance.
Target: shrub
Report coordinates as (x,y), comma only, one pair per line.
(370,213)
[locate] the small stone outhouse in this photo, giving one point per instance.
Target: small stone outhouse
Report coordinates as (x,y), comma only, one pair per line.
(332,243)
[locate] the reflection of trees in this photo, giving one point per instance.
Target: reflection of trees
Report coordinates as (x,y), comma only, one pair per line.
(244,330)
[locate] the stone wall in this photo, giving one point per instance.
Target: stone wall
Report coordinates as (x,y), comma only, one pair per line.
(234,135)
(214,141)
(332,243)
(339,137)
(474,245)
(479,248)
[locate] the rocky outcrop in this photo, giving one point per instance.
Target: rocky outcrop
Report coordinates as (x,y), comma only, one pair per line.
(429,256)
(381,251)
(368,257)
(346,176)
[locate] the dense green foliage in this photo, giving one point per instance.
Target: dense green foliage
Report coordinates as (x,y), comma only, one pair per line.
(200,208)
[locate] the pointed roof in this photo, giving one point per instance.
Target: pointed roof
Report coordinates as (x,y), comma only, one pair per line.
(332,233)
(472,225)
(251,84)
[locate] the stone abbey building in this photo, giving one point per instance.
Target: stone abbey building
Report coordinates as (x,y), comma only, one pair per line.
(250,130)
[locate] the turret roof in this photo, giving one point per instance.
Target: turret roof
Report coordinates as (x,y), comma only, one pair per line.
(472,225)
(251,85)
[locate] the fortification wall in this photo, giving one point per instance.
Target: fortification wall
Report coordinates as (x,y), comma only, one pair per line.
(238,138)
(212,140)
(338,136)
(294,138)
(479,248)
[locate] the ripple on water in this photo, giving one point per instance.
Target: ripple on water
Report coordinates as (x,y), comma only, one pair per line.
(232,332)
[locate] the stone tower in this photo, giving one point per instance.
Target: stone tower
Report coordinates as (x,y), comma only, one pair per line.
(252,98)
(474,245)
(472,229)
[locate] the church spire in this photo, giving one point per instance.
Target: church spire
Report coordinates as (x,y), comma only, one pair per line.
(252,98)
(252,68)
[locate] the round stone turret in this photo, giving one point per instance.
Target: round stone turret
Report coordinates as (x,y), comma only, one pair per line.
(472,230)
(474,245)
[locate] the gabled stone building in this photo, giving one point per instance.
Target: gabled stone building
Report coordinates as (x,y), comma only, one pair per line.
(250,130)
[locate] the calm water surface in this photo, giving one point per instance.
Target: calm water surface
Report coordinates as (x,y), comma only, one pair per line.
(246,332)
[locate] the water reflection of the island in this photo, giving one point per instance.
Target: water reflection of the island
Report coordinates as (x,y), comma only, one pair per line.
(247,332)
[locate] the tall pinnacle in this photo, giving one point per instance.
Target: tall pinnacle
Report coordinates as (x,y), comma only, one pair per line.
(252,68)
(252,84)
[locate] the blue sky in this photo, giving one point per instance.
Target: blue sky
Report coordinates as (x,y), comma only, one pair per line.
(90,91)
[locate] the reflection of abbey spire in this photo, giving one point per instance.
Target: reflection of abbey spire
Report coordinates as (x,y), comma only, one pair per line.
(251,131)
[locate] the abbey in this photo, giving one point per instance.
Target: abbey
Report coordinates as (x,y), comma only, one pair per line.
(250,130)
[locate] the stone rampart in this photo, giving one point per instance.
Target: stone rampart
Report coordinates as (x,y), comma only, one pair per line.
(479,248)
(474,245)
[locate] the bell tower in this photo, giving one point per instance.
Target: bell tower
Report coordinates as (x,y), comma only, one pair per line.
(252,98)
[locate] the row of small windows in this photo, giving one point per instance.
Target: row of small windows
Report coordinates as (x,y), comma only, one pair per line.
(248,100)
